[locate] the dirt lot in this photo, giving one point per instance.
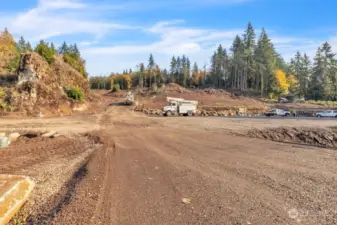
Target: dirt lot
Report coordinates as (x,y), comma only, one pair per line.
(134,169)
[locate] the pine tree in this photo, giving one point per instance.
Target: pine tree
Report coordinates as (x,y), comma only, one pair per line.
(265,58)
(64,49)
(183,73)
(141,75)
(45,51)
(173,69)
(52,47)
(195,68)
(151,63)
(249,46)
(317,78)
(29,47)
(21,45)
(178,70)
(330,84)
(76,51)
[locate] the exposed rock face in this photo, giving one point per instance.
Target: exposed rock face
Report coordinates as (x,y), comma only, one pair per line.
(31,68)
(40,87)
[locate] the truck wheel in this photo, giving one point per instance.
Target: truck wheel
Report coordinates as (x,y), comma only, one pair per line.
(319,116)
(189,113)
(336,116)
(168,113)
(287,114)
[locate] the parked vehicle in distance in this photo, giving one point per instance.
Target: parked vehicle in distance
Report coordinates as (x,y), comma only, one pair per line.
(277,112)
(327,113)
(179,106)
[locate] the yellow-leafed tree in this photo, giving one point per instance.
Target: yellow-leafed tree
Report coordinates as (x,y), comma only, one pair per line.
(281,84)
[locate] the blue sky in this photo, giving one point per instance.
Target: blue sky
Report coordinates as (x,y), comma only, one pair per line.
(115,35)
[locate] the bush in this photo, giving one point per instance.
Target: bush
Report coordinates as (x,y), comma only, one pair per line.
(116,88)
(77,63)
(75,93)
(3,105)
(45,51)
(13,65)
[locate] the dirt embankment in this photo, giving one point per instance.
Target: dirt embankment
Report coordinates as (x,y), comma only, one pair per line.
(211,102)
(42,87)
(307,136)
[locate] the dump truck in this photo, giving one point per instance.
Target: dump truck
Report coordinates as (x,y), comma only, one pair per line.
(179,106)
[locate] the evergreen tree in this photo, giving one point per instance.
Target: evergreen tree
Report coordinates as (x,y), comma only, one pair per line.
(141,75)
(317,78)
(151,63)
(173,69)
(195,68)
(76,51)
(45,51)
(265,58)
(64,49)
(53,49)
(330,84)
(249,63)
(183,73)
(178,70)
(21,45)
(29,47)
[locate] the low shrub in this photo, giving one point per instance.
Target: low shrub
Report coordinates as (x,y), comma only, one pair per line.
(3,105)
(77,63)
(13,65)
(116,88)
(75,93)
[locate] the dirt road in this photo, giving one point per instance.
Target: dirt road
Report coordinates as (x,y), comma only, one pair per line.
(185,171)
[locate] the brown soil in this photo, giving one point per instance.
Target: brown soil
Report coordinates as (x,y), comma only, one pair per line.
(210,98)
(306,136)
(172,171)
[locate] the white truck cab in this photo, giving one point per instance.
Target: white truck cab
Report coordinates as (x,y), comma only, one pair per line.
(328,113)
(179,106)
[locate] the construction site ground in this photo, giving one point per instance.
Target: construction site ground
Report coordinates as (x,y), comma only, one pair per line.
(117,166)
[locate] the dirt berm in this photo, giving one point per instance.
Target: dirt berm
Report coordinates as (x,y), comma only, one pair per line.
(307,136)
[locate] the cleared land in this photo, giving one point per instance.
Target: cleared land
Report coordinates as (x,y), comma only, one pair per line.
(134,169)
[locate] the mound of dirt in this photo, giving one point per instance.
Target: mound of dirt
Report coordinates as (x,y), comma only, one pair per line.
(172,87)
(41,87)
(209,99)
(308,136)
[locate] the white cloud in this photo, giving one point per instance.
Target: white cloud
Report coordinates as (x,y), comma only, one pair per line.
(60,4)
(55,18)
(174,39)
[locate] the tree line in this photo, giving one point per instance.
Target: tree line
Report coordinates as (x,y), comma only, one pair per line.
(250,64)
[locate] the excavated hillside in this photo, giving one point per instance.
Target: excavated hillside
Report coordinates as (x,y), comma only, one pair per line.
(42,87)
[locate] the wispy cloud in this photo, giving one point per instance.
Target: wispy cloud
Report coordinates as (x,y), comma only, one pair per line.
(55,18)
(172,40)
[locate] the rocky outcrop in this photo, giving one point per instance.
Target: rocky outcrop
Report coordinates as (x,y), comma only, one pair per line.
(31,68)
(41,87)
